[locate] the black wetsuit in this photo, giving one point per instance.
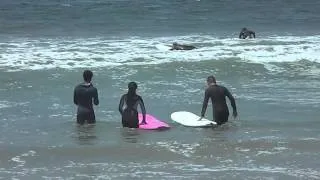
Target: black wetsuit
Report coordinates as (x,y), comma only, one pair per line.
(128,108)
(183,47)
(218,94)
(83,96)
(247,33)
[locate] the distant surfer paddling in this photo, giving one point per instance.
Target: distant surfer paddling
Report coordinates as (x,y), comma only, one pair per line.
(218,94)
(245,33)
(128,107)
(84,93)
(176,46)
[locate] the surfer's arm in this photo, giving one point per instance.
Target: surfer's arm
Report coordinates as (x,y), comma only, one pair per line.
(232,100)
(95,97)
(254,34)
(143,109)
(121,103)
(205,103)
(240,35)
(75,97)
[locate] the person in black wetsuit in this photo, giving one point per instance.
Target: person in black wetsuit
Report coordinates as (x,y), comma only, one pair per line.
(246,33)
(128,107)
(176,46)
(218,94)
(84,93)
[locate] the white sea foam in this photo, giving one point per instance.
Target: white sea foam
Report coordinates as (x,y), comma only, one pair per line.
(156,170)
(21,54)
(263,169)
(19,159)
(183,149)
(7,104)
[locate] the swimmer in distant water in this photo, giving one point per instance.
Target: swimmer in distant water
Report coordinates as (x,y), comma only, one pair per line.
(218,95)
(84,93)
(247,33)
(176,46)
(128,107)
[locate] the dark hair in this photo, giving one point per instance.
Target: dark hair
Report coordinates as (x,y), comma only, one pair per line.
(87,75)
(211,79)
(132,87)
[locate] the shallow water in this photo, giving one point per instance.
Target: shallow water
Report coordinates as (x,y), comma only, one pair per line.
(274,78)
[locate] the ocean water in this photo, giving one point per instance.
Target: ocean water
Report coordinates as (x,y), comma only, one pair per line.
(45,46)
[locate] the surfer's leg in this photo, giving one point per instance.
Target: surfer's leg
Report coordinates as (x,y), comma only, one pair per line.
(225,117)
(125,122)
(125,119)
(221,117)
(80,119)
(130,123)
(91,118)
(134,120)
(130,119)
(88,116)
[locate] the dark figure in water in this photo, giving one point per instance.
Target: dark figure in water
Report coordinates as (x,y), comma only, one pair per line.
(84,93)
(247,33)
(128,107)
(176,46)
(218,94)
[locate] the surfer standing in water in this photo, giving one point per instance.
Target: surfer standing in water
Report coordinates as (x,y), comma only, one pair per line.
(83,95)
(218,94)
(246,33)
(128,107)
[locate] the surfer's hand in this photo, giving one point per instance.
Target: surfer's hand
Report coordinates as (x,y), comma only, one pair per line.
(235,114)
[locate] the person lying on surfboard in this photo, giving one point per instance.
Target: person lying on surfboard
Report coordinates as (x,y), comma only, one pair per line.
(218,94)
(128,107)
(176,46)
(247,33)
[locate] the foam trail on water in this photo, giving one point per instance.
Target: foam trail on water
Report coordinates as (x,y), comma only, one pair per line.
(34,54)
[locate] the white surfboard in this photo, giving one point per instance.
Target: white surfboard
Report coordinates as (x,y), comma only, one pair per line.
(190,119)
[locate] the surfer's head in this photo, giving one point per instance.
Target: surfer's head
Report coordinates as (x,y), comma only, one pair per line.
(175,44)
(87,76)
(211,80)
(132,87)
(244,29)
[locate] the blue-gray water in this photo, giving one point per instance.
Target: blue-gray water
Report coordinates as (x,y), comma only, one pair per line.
(45,46)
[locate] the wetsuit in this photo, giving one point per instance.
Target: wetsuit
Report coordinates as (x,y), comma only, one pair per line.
(83,96)
(220,109)
(128,108)
(247,33)
(182,47)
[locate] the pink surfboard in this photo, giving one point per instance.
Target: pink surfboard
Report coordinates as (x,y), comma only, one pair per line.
(152,123)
